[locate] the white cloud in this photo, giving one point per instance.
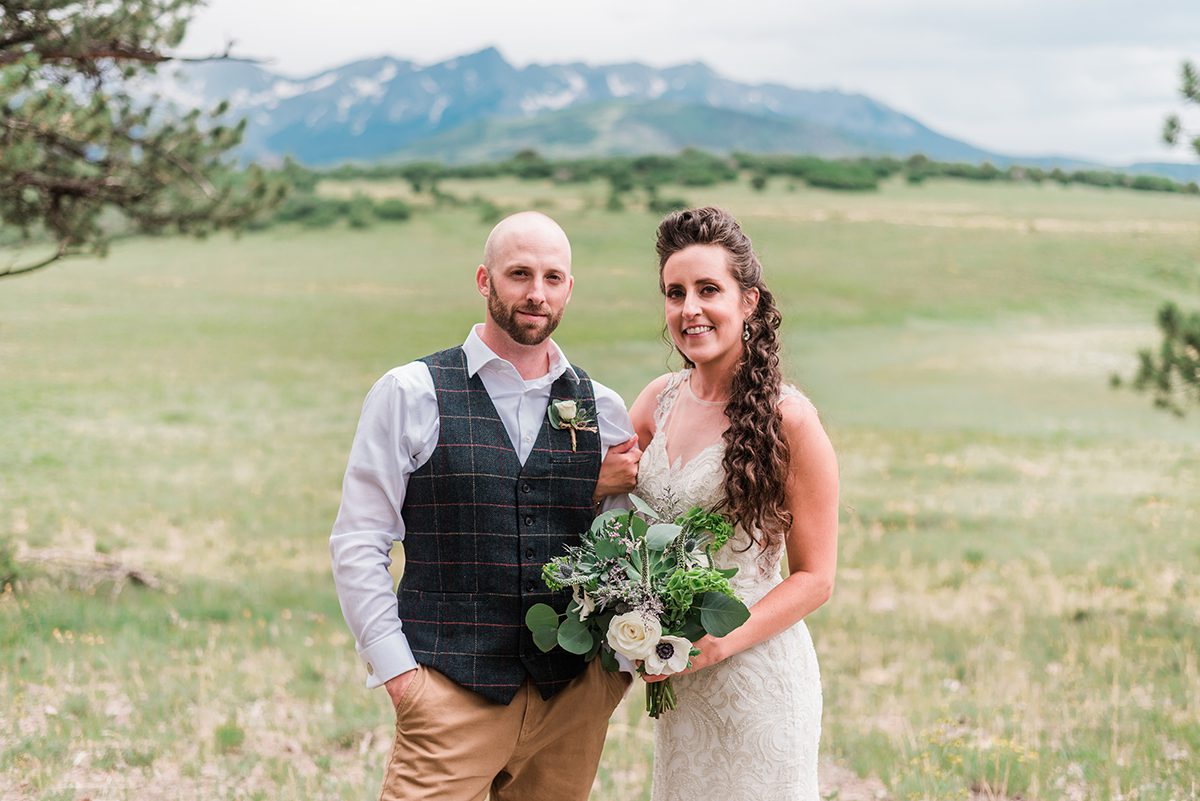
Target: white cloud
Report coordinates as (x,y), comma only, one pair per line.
(1085,77)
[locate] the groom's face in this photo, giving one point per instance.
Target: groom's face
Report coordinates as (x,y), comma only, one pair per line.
(528,286)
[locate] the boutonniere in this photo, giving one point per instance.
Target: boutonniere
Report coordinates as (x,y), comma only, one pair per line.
(568,414)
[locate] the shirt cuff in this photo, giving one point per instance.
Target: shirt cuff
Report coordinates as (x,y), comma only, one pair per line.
(609,502)
(387,658)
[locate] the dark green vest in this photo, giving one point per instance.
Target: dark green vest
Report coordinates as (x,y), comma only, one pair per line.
(478,528)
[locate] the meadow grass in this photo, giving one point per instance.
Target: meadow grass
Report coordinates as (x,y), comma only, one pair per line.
(1017,604)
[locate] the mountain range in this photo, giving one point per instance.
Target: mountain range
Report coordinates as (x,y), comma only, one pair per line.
(479,107)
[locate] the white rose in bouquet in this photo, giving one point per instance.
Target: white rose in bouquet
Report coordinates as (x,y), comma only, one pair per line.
(634,635)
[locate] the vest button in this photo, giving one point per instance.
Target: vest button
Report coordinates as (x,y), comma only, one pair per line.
(529,520)
(529,552)
(530,586)
(524,488)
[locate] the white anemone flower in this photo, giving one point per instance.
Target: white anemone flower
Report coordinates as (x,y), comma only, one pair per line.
(669,655)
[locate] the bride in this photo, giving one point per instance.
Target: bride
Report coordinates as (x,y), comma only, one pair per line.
(727,433)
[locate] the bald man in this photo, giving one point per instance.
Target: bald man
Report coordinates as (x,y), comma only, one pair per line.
(455,455)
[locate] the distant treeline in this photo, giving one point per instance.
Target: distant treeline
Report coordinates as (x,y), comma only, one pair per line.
(647,175)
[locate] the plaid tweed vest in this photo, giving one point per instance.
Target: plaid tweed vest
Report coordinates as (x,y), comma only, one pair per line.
(480,525)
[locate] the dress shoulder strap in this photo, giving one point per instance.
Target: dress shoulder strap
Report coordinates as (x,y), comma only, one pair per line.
(791,391)
(665,401)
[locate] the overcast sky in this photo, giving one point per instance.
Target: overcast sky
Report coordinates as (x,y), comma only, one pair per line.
(1089,78)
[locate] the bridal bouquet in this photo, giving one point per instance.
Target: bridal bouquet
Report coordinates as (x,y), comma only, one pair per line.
(644,589)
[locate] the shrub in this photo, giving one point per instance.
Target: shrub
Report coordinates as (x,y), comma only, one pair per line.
(361,212)
(393,210)
(838,175)
(666,205)
(229,736)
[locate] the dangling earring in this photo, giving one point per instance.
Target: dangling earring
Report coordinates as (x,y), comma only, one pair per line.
(746,331)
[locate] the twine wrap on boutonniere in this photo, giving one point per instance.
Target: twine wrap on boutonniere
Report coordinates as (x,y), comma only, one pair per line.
(568,414)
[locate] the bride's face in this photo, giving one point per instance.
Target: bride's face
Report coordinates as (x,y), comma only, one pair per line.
(705,307)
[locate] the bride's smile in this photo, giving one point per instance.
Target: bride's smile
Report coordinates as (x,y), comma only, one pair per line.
(705,308)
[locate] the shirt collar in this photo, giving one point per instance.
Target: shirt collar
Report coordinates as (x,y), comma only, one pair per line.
(479,355)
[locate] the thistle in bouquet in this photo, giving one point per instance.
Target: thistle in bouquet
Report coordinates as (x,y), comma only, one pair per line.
(643,588)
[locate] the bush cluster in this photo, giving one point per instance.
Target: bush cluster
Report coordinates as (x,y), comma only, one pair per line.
(313,211)
(647,174)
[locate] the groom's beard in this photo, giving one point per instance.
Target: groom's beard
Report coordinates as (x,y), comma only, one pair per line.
(525,333)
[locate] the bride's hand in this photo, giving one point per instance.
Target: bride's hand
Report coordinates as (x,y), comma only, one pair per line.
(710,654)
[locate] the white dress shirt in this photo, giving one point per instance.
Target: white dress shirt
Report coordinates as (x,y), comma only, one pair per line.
(397,433)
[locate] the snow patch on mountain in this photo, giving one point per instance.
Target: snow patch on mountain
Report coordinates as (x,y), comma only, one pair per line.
(439,106)
(554,100)
(375,87)
(282,90)
(618,87)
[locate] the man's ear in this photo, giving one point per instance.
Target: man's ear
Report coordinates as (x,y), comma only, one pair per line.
(482,279)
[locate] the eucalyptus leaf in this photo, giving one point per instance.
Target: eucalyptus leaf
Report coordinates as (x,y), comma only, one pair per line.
(595,649)
(552,413)
(661,535)
(545,639)
(541,616)
(691,628)
(574,636)
(604,517)
(608,660)
(720,614)
(640,527)
(642,506)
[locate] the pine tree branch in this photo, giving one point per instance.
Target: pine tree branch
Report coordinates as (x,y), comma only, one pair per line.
(64,250)
(115,52)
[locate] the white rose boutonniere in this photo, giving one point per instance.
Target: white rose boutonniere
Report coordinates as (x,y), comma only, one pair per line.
(567,409)
(568,414)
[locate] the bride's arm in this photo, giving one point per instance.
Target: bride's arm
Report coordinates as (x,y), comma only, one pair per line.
(811,542)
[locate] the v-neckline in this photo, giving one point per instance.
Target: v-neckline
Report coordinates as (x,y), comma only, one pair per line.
(678,466)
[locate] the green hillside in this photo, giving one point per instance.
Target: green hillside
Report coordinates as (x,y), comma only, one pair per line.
(618,128)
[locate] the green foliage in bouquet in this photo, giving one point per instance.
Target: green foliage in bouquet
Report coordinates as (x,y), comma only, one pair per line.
(643,588)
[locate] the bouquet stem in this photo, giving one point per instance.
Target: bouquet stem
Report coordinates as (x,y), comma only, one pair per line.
(660,697)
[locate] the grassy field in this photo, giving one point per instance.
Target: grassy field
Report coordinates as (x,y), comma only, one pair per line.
(1018,602)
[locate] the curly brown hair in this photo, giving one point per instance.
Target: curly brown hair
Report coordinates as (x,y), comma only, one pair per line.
(756,452)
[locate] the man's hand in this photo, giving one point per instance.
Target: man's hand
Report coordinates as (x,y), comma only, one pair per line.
(618,473)
(397,686)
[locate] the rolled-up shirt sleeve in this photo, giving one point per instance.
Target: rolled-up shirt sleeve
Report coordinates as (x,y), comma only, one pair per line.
(396,433)
(616,427)
(612,419)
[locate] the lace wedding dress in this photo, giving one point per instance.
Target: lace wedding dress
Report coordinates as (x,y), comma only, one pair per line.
(747,728)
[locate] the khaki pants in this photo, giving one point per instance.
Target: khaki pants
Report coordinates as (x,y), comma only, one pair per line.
(454,745)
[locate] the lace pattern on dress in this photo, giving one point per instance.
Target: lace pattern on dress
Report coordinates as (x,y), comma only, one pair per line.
(748,728)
